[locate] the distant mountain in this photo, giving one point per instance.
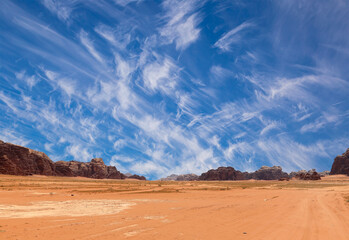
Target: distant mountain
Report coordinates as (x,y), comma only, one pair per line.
(183,177)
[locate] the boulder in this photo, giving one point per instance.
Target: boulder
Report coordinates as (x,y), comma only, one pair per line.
(222,173)
(341,164)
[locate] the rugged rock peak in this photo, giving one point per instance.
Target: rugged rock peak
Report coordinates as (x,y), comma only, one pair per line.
(341,164)
(222,173)
(98,161)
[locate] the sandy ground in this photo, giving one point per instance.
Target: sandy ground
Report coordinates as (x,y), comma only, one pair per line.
(37,207)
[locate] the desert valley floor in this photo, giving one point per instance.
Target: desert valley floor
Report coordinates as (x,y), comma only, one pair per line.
(40,207)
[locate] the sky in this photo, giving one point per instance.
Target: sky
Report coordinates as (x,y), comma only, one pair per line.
(163,87)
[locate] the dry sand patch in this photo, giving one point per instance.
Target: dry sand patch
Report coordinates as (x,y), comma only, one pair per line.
(35,208)
(74,208)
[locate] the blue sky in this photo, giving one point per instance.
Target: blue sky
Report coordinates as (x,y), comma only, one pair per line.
(162,87)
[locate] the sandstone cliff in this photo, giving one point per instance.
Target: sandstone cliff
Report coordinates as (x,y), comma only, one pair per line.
(18,160)
(341,164)
(267,173)
(94,169)
(222,173)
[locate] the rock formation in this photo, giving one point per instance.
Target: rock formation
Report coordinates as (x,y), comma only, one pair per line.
(18,160)
(267,173)
(183,177)
(135,176)
(94,169)
(222,173)
(308,176)
(341,164)
(324,173)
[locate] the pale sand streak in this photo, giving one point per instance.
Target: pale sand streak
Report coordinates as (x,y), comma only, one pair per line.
(65,208)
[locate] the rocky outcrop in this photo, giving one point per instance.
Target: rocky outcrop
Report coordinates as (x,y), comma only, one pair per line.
(308,176)
(183,177)
(341,164)
(222,173)
(18,160)
(267,173)
(324,173)
(135,176)
(94,169)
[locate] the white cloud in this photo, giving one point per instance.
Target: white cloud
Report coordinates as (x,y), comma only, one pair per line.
(319,123)
(160,76)
(60,8)
(10,136)
(149,168)
(240,148)
(182,23)
(79,153)
(85,40)
(119,144)
(119,158)
(118,37)
(232,37)
(126,2)
(269,127)
(30,80)
(292,155)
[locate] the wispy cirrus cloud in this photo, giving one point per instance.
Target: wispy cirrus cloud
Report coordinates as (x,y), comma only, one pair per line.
(182,22)
(62,9)
(120,81)
(232,37)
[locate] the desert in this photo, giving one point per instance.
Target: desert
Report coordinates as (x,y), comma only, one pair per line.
(49,207)
(174,120)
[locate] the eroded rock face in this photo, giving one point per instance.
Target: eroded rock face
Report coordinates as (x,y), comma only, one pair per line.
(268,173)
(94,169)
(18,160)
(308,176)
(222,173)
(341,164)
(135,176)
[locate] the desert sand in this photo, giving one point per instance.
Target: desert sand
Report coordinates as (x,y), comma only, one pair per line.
(38,207)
